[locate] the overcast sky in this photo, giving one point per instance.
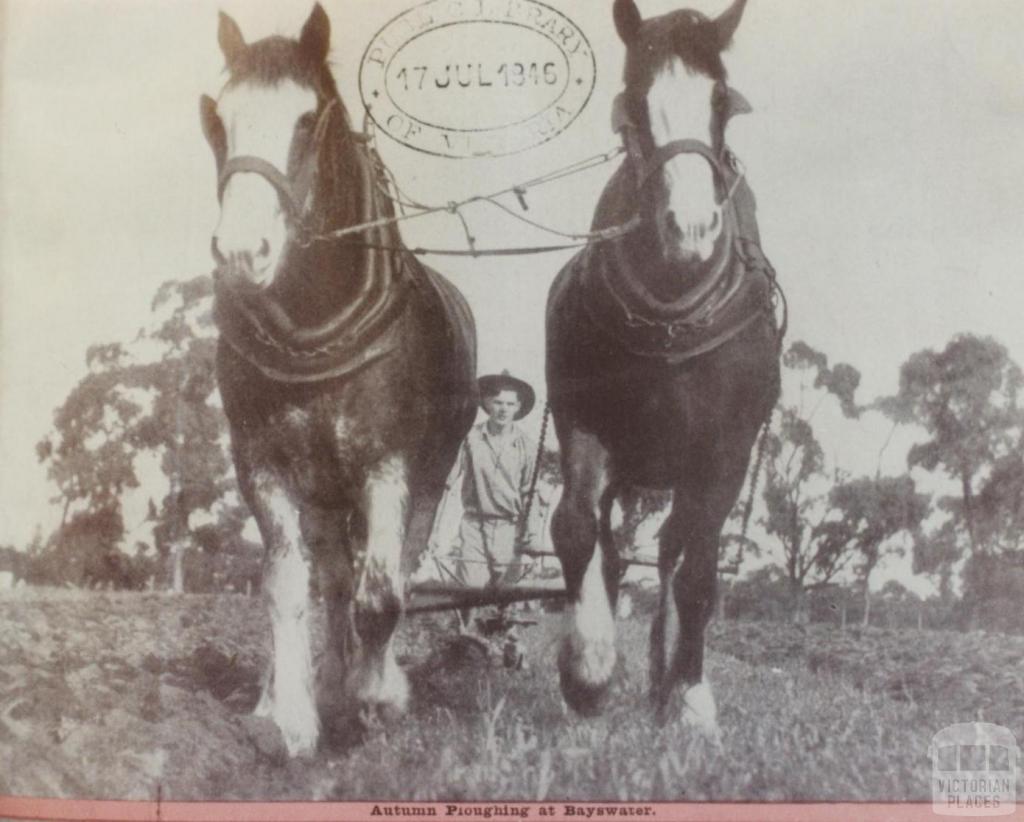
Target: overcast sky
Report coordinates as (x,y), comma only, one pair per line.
(884,149)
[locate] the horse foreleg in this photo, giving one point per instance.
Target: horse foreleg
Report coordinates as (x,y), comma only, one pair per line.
(288,691)
(688,583)
(376,678)
(332,535)
(688,567)
(587,656)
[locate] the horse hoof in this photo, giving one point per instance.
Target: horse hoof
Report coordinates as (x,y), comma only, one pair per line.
(699,712)
(585,686)
(278,741)
(385,692)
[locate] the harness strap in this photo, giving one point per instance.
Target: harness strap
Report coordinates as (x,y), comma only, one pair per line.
(247,163)
(292,189)
(662,154)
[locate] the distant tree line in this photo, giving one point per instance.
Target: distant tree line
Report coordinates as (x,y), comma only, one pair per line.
(962,405)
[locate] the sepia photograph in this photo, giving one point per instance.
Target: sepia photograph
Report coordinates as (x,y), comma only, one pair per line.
(506,408)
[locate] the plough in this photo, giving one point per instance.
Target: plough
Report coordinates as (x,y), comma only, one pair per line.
(434,596)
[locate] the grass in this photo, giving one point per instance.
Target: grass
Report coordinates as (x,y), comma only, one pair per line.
(789,734)
(114,695)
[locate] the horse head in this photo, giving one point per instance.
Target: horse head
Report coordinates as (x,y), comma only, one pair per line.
(278,109)
(673,114)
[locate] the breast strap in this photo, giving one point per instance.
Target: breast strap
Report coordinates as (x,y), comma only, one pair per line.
(742,295)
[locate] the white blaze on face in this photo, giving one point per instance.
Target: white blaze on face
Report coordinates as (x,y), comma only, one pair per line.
(679,107)
(260,122)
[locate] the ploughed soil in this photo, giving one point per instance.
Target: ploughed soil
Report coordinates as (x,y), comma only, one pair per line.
(131,696)
(149,695)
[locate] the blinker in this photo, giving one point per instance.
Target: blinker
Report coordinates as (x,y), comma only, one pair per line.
(620,114)
(736,103)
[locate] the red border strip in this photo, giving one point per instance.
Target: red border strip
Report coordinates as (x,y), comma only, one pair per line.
(137,811)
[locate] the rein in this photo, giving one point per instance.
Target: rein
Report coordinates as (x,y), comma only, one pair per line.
(293,191)
(578,240)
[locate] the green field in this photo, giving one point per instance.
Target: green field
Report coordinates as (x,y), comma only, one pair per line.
(113,695)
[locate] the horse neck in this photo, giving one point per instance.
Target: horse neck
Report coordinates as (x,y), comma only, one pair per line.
(325,278)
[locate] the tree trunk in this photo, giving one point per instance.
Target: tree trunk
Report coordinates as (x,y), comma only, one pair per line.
(798,600)
(868,569)
(178,568)
(965,485)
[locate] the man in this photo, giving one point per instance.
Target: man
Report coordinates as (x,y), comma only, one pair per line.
(492,474)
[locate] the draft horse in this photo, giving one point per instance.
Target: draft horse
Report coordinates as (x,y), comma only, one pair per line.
(662,356)
(346,371)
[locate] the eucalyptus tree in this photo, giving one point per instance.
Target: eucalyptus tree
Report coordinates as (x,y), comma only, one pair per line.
(155,395)
(797,481)
(965,400)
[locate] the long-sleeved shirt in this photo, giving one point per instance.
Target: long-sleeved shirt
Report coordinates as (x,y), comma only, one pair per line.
(495,472)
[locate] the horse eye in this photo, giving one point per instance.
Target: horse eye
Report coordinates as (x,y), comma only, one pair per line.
(306,121)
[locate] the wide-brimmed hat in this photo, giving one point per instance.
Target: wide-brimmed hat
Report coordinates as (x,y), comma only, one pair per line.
(491,384)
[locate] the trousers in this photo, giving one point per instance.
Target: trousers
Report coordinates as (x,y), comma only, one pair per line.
(486,552)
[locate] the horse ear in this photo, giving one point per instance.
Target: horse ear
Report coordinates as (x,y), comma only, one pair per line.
(315,39)
(728,21)
(627,20)
(232,44)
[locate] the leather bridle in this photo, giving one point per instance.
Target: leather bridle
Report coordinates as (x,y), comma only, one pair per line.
(292,189)
(648,164)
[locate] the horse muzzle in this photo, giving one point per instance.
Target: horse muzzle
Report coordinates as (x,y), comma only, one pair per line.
(688,213)
(688,243)
(252,233)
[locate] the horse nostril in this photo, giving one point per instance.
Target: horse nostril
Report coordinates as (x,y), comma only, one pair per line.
(215,250)
(264,248)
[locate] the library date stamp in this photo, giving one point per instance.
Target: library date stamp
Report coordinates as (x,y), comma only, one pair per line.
(477,78)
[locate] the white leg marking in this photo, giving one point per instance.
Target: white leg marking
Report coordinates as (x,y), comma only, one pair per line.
(378,678)
(292,704)
(699,710)
(263,707)
(592,627)
(670,641)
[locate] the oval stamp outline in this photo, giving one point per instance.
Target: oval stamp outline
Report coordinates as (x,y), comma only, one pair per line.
(532,131)
(416,36)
